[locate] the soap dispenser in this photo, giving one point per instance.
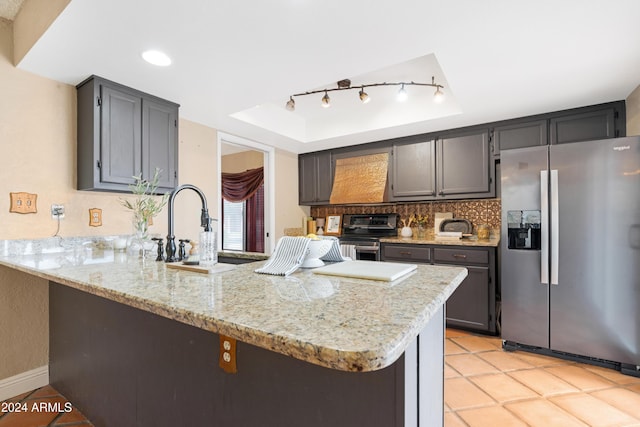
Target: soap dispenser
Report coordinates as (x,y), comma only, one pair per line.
(208,245)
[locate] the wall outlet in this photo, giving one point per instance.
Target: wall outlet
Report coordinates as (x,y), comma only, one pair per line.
(227,359)
(57,211)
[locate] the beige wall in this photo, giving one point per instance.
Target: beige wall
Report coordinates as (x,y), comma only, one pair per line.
(633,113)
(24,316)
(288,213)
(240,162)
(32,21)
(198,166)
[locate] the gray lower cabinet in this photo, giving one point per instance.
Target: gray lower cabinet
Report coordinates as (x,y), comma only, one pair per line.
(315,178)
(473,304)
(157,372)
(122,133)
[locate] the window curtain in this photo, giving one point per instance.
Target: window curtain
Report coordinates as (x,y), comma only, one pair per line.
(248,187)
(254,237)
(238,187)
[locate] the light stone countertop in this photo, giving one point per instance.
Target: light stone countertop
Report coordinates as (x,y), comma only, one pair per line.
(340,323)
(429,239)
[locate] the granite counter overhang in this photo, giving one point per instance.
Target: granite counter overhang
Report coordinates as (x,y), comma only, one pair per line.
(339,323)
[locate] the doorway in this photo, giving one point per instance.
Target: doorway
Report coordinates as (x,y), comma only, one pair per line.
(236,155)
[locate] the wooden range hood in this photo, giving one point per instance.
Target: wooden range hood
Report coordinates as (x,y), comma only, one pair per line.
(361,179)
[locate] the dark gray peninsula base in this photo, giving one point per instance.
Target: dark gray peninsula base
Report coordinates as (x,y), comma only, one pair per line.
(122,366)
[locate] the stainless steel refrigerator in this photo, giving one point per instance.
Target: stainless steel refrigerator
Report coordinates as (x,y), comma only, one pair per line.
(570,251)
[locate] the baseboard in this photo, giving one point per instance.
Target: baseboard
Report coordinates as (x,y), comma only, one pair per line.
(24,382)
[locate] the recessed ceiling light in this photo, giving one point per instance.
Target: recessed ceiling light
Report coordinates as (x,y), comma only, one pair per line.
(156,57)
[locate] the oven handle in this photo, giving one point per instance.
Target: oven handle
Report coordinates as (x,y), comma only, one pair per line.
(368,248)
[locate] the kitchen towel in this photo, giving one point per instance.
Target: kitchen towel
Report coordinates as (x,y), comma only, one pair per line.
(334,254)
(348,251)
(289,254)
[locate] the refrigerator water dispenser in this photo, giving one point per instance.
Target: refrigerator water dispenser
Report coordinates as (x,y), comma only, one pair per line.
(523,230)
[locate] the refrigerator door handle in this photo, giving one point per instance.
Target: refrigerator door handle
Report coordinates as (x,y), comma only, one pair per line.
(555,228)
(544,225)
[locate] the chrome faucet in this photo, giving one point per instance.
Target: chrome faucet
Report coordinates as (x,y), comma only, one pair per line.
(205,220)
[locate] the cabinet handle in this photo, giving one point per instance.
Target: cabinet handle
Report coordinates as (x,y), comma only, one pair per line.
(460,256)
(405,253)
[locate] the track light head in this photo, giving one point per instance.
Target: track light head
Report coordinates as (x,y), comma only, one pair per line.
(326,101)
(291,104)
(438,96)
(402,94)
(364,97)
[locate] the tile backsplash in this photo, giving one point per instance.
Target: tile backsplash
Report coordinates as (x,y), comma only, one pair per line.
(478,211)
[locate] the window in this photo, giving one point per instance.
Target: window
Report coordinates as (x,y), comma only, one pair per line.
(233,225)
(243,223)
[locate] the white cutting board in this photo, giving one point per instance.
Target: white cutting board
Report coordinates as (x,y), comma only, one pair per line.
(372,270)
(216,268)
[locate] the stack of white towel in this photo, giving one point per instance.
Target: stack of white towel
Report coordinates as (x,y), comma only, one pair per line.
(290,253)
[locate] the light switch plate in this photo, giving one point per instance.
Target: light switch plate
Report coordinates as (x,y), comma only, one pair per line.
(23,203)
(95,217)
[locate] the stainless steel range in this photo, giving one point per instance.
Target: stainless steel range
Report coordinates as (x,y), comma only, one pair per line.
(361,234)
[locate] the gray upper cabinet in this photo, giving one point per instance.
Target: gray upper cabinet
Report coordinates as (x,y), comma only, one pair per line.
(315,178)
(581,124)
(519,135)
(600,123)
(159,141)
(413,167)
(460,163)
(463,165)
(121,133)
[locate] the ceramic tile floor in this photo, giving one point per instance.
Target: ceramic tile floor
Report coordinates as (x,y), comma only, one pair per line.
(485,386)
(43,407)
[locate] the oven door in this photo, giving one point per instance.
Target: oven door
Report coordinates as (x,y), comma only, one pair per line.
(368,252)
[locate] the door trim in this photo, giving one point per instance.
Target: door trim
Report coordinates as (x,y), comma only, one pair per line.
(269,184)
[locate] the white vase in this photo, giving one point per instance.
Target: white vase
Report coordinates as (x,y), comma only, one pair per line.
(406,232)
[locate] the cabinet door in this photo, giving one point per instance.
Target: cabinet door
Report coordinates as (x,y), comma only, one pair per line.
(463,165)
(413,170)
(160,142)
(519,135)
(120,148)
(597,124)
(468,306)
(324,177)
(306,179)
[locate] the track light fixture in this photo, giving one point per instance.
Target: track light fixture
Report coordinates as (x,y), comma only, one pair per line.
(345,84)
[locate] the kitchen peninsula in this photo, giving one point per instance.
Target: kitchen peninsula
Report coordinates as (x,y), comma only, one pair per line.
(133,342)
